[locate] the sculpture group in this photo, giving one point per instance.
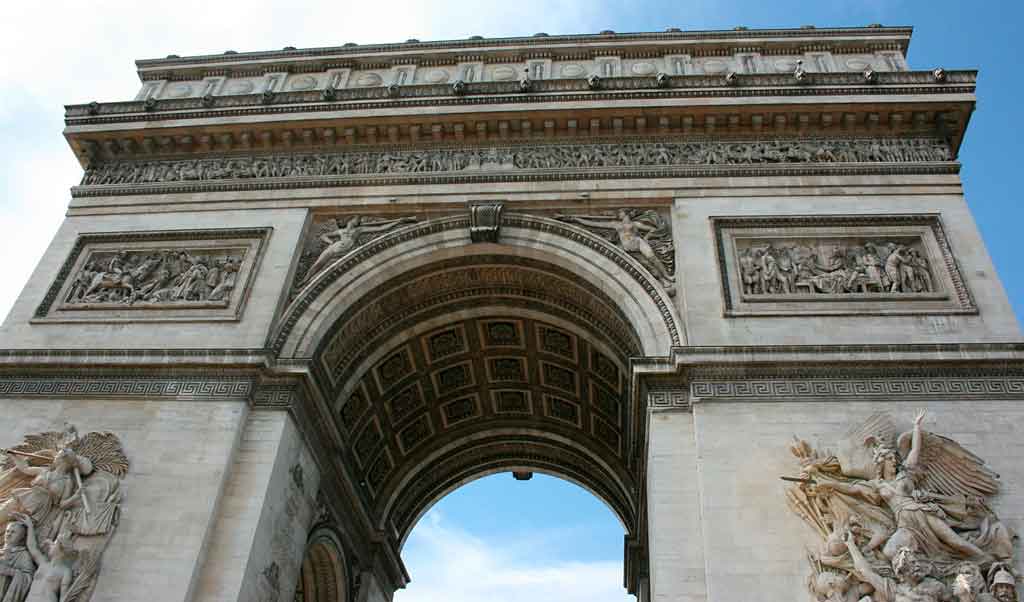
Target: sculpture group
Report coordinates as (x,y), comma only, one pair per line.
(903,516)
(560,156)
(60,500)
(872,267)
(166,276)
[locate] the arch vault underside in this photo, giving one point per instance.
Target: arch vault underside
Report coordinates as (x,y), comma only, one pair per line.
(441,360)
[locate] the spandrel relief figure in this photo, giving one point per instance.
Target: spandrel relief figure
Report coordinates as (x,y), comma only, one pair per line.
(887,494)
(870,267)
(60,498)
(330,241)
(643,234)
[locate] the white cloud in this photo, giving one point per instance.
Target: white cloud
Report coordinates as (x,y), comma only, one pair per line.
(450,564)
(65,52)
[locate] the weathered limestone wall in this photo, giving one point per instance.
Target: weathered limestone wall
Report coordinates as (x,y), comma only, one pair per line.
(180,454)
(676,548)
(753,545)
(268,283)
(259,533)
(699,281)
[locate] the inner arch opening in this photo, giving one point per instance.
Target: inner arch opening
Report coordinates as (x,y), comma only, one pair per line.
(499,539)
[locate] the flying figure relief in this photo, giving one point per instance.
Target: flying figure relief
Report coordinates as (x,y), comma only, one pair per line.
(903,517)
(644,234)
(330,241)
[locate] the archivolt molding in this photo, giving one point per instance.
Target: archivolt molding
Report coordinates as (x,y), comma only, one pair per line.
(318,306)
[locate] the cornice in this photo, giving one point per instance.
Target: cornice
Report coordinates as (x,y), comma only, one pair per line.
(896,38)
(548,90)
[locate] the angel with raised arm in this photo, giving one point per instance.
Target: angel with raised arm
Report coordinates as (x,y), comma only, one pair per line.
(936,495)
(343,239)
(633,236)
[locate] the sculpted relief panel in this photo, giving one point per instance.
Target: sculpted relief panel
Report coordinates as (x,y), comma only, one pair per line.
(843,264)
(60,503)
(903,516)
(467,161)
(330,238)
(159,275)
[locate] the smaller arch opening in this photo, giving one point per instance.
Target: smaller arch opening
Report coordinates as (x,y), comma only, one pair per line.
(323,576)
(501,539)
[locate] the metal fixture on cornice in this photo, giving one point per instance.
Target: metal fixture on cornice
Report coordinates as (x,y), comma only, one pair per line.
(329,93)
(412,41)
(230,52)
(458,87)
(800,75)
(540,34)
(662,79)
(594,82)
(607,32)
(731,79)
(94,107)
(525,84)
(394,91)
(871,76)
(208,100)
(673,30)
(267,97)
(149,104)
(939,74)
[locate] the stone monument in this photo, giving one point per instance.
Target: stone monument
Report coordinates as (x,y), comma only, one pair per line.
(300,295)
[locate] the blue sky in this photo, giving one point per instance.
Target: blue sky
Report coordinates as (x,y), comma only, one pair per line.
(495,539)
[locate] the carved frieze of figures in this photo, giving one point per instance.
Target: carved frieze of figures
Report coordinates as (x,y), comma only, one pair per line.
(644,234)
(834,267)
(331,238)
(526,157)
(60,501)
(902,515)
(157,273)
(202,276)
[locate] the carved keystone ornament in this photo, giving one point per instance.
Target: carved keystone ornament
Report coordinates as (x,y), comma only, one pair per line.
(903,516)
(60,502)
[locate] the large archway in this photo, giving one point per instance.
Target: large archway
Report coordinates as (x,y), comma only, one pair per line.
(444,360)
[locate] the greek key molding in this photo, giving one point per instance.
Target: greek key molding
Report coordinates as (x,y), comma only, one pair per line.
(182,388)
(668,397)
(765,389)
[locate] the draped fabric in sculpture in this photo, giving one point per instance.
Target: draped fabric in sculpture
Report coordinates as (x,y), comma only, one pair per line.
(904,517)
(60,497)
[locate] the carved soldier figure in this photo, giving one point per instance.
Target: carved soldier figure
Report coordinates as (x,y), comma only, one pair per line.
(54,577)
(16,564)
(912,583)
(1004,585)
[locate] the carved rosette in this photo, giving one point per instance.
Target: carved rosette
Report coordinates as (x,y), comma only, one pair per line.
(60,503)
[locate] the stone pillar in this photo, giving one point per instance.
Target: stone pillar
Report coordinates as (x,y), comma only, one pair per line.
(259,534)
(676,543)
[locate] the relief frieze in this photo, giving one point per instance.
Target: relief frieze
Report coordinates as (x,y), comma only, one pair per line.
(155,275)
(837,265)
(410,163)
(331,238)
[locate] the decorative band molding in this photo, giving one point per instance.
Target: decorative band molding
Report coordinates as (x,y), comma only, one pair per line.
(182,388)
(853,389)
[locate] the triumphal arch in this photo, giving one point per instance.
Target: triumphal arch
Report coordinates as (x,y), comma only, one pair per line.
(302,294)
